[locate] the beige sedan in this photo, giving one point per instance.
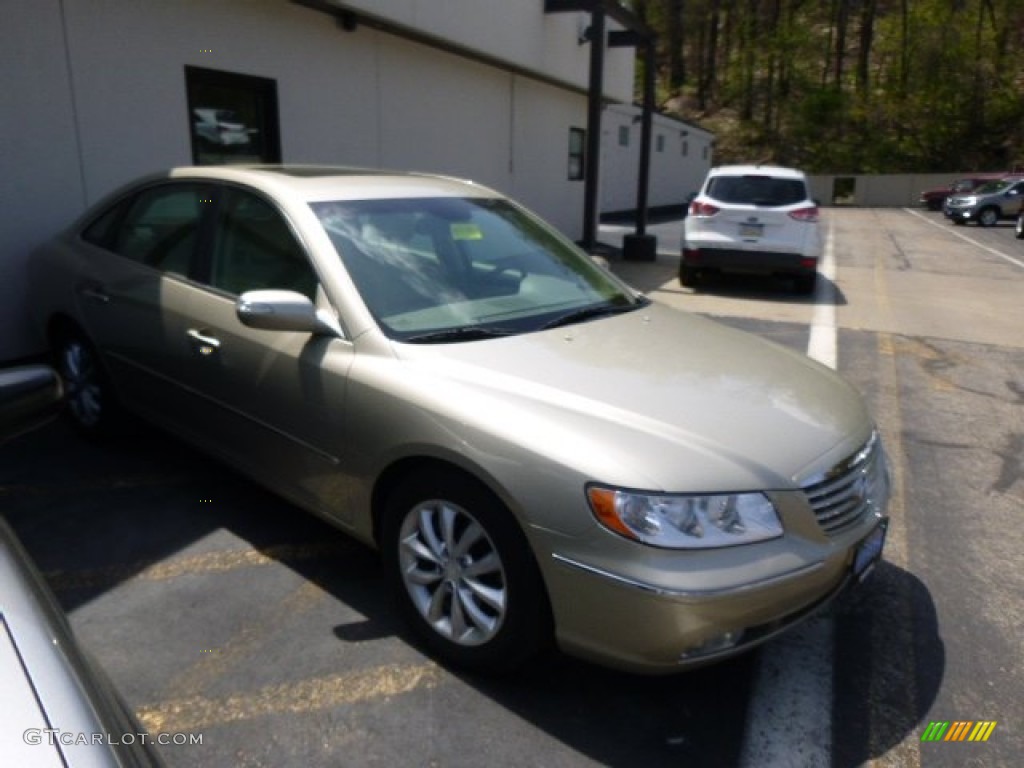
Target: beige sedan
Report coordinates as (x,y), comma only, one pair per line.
(538,451)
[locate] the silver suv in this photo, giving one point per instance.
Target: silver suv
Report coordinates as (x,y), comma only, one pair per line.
(987,204)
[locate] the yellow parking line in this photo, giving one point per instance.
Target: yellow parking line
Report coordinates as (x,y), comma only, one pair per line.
(207,562)
(215,663)
(897,634)
(193,713)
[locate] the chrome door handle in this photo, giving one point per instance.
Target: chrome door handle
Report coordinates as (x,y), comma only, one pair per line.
(205,344)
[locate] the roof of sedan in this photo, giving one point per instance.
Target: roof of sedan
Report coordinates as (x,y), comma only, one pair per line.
(322,182)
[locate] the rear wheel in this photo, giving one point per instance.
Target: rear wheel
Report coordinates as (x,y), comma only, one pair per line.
(91,404)
(804,284)
(463,573)
(689,277)
(988,217)
(1019,226)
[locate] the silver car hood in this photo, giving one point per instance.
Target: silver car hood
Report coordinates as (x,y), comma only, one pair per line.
(658,398)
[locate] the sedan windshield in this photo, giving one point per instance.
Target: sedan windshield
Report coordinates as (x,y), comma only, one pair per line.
(458,269)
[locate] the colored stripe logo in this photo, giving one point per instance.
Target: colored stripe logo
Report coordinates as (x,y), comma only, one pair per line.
(958,730)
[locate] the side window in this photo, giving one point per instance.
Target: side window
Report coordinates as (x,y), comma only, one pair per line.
(254,249)
(159,228)
(102,230)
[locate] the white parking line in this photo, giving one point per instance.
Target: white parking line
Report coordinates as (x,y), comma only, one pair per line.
(822,345)
(965,238)
(789,713)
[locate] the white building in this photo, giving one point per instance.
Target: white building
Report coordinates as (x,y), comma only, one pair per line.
(97,92)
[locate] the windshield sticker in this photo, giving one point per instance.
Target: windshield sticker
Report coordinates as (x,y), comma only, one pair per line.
(466,230)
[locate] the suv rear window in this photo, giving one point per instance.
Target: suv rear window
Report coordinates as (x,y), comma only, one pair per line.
(765,191)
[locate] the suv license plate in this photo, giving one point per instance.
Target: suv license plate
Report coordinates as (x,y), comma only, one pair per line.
(869,552)
(751,230)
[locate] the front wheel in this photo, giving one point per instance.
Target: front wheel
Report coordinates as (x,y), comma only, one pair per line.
(463,573)
(988,217)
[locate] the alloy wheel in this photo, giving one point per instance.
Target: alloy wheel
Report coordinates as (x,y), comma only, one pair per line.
(453,572)
(83,385)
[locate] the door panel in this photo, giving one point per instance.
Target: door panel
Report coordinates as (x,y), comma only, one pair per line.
(134,295)
(271,402)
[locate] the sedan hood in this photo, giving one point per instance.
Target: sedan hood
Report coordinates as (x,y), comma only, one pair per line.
(657,398)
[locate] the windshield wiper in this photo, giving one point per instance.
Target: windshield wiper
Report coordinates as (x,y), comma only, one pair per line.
(464,333)
(592,312)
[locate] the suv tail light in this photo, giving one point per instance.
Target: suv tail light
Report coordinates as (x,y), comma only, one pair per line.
(698,208)
(809,215)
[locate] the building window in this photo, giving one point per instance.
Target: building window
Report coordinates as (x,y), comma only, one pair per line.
(623,135)
(577,148)
(659,143)
(232,118)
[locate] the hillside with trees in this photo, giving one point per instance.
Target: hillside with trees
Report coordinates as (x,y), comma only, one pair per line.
(853,86)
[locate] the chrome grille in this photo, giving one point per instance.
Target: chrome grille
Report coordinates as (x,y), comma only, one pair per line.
(852,489)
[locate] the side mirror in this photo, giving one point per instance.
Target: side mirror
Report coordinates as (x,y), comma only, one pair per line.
(276,310)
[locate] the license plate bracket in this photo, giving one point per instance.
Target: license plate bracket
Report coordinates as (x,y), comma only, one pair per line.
(751,229)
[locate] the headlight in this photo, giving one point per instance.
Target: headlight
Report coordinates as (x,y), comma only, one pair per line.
(686,522)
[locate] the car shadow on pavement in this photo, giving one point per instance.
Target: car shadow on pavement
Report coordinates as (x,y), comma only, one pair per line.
(890,663)
(774,289)
(662,276)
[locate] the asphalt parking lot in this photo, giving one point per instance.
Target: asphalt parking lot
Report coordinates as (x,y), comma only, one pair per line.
(219,609)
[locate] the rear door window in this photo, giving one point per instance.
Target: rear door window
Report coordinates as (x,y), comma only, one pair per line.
(759,190)
(160,227)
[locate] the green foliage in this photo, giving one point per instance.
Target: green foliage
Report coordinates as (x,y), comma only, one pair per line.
(850,86)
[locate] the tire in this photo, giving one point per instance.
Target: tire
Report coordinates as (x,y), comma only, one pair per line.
(485,609)
(1019,226)
(91,404)
(804,284)
(988,217)
(688,277)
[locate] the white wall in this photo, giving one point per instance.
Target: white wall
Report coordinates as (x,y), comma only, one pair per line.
(94,96)
(540,159)
(40,178)
(516,31)
(673,175)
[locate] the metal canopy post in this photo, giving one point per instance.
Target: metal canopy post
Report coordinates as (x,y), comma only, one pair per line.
(592,163)
(639,246)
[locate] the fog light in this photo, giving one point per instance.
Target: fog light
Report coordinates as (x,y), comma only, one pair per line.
(715,644)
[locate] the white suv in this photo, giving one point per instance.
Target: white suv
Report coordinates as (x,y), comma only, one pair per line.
(752,219)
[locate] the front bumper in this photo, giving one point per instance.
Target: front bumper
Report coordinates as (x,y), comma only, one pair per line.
(960,214)
(627,624)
